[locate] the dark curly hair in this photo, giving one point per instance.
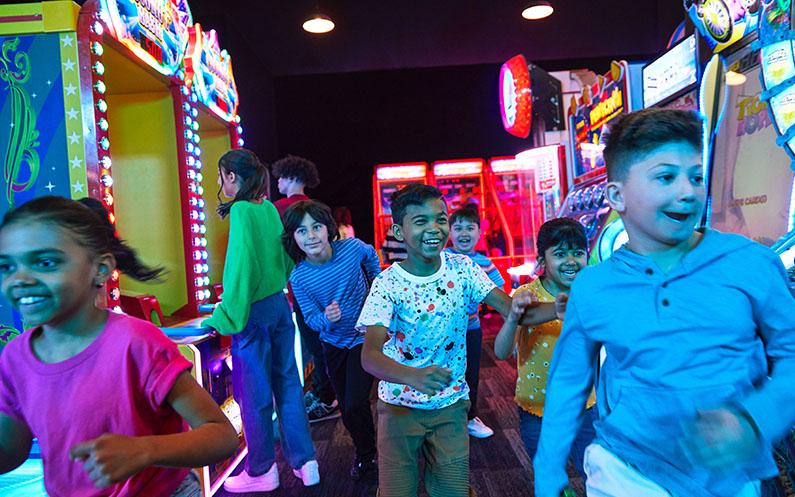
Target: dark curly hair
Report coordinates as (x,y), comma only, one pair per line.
(301,169)
(292,219)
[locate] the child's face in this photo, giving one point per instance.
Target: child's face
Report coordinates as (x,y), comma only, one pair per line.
(312,237)
(465,235)
(662,198)
(424,229)
(46,275)
(229,183)
(285,184)
(562,263)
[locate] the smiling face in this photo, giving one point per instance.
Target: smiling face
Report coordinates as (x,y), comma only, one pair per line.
(46,274)
(562,263)
(424,229)
(465,234)
(662,198)
(312,238)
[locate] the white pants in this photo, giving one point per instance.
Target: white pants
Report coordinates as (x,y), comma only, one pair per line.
(609,476)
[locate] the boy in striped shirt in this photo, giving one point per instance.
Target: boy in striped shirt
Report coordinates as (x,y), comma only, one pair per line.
(464,234)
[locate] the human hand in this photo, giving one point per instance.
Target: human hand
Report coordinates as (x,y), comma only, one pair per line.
(333,312)
(430,379)
(519,304)
(721,438)
(560,305)
(111,459)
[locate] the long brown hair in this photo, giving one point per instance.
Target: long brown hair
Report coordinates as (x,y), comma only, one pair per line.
(253,173)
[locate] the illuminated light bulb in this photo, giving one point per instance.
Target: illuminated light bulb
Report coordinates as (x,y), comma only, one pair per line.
(199,295)
(181,74)
(188,120)
(97,28)
(185,91)
(195,228)
(107,180)
(195,125)
(191,174)
(199,177)
(197,151)
(197,255)
(102,124)
(186,106)
(239,130)
(102,105)
(240,142)
(106,162)
(191,160)
(198,164)
(204,242)
(99,68)
(237,119)
(112,218)
(197,268)
(205,268)
(194,215)
(206,280)
(115,275)
(204,255)
(188,134)
(537,10)
(189,147)
(108,199)
(100,87)
(202,216)
(115,293)
(201,202)
(200,190)
(104,143)
(202,229)
(196,138)
(198,281)
(194,98)
(194,112)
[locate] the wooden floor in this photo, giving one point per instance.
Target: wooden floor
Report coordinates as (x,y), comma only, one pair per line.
(499,466)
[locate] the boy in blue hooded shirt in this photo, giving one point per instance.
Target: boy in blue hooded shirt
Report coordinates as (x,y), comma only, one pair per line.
(699,332)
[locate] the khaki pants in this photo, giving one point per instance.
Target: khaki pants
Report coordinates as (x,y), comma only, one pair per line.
(440,434)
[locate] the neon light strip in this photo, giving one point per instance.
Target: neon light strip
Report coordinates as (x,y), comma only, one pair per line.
(73,116)
(509,166)
(408,171)
(220,480)
(457,168)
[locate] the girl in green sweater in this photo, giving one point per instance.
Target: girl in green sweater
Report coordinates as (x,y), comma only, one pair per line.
(255,311)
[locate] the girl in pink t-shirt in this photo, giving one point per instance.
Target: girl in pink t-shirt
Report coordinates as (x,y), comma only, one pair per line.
(108,396)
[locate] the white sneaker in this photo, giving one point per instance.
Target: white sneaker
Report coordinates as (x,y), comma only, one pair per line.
(247,483)
(478,429)
(309,473)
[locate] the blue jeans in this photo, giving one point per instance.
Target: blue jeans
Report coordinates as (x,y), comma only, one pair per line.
(530,427)
(264,370)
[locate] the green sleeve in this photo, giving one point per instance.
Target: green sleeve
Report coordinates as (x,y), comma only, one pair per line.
(231,314)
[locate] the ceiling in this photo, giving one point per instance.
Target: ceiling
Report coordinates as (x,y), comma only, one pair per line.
(398,34)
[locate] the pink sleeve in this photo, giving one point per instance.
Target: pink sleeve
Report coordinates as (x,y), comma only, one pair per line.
(8,397)
(164,364)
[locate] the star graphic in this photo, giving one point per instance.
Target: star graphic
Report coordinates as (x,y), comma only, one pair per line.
(49,83)
(76,162)
(69,65)
(67,41)
(77,187)
(70,89)
(74,138)
(50,186)
(33,95)
(72,113)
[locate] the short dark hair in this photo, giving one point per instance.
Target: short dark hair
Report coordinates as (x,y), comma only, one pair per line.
(563,231)
(293,217)
(413,194)
(467,212)
(303,170)
(636,134)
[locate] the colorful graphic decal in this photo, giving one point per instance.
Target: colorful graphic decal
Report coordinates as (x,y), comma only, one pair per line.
(209,72)
(723,22)
(156,31)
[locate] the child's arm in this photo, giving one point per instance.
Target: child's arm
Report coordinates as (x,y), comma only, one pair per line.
(110,458)
(428,380)
(506,338)
(371,264)
(15,442)
(315,316)
(535,312)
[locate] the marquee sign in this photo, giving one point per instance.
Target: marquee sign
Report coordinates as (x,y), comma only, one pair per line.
(209,71)
(156,31)
(516,97)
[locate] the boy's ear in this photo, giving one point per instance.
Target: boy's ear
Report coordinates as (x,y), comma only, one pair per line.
(397,230)
(106,263)
(615,196)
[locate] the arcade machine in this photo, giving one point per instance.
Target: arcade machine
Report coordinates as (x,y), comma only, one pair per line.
(112,73)
(387,179)
(590,116)
(461,181)
(743,197)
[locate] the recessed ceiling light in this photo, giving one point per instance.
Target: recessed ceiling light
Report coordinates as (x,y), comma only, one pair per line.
(318,24)
(537,10)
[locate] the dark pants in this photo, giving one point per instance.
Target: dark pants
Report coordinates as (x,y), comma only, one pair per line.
(321,385)
(474,348)
(530,428)
(352,385)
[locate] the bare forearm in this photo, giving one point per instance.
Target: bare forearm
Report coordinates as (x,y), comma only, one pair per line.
(207,444)
(538,314)
(384,368)
(504,342)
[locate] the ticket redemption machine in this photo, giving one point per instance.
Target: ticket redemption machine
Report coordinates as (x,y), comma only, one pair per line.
(590,116)
(387,179)
(98,106)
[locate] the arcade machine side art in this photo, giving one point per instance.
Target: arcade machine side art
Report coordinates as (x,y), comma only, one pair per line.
(387,179)
(590,117)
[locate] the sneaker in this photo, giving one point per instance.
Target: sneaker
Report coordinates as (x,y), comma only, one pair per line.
(309,473)
(247,483)
(321,411)
(310,399)
(361,468)
(478,429)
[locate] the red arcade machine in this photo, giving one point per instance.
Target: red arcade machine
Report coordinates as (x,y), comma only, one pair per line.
(387,179)
(462,181)
(589,117)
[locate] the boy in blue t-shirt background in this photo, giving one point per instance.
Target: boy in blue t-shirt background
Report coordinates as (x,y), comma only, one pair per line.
(698,328)
(464,235)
